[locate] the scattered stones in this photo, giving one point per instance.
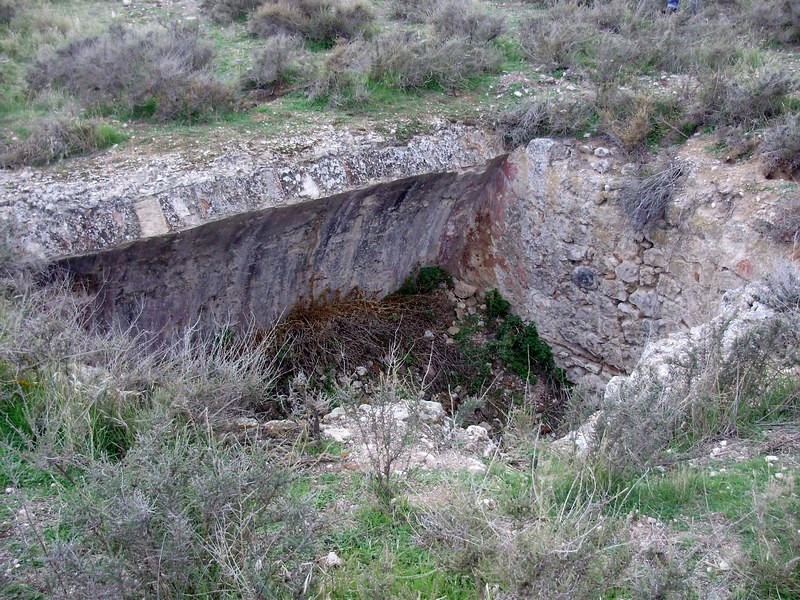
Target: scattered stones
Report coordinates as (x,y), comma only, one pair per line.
(601,152)
(453,330)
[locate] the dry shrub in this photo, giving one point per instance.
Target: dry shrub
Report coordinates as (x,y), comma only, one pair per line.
(345,333)
(54,139)
(182,515)
(280,60)
(408,61)
(615,40)
(544,117)
(644,199)
(635,119)
(160,72)
(785,228)
(775,20)
(747,99)
(342,81)
(227,11)
(559,38)
(414,11)
(780,149)
(318,21)
(465,19)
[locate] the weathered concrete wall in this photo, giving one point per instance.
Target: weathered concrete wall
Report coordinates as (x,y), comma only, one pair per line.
(259,264)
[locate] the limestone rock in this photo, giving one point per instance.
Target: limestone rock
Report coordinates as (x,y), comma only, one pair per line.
(431,412)
(463,290)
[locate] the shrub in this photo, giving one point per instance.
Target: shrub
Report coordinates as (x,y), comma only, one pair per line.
(544,116)
(414,11)
(278,63)
(497,307)
(783,287)
(644,199)
(780,150)
(319,21)
(227,11)
(465,19)
(785,228)
(386,437)
(276,19)
(159,72)
(183,515)
(425,281)
(777,20)
(635,119)
(54,139)
(343,79)
(408,61)
(748,99)
(560,38)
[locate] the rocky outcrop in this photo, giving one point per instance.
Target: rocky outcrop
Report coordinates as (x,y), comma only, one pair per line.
(747,350)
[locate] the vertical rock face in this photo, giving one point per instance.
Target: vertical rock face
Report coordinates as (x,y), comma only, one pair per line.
(257,265)
(556,242)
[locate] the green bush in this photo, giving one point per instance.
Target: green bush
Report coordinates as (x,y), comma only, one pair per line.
(55,139)
(425,281)
(497,307)
(523,352)
(161,72)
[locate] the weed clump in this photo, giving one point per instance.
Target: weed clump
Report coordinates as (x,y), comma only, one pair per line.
(780,150)
(54,139)
(162,72)
(277,64)
(544,117)
(644,200)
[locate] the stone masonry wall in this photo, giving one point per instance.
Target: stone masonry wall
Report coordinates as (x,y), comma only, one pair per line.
(555,241)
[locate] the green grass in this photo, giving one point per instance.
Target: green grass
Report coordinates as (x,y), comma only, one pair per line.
(382,560)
